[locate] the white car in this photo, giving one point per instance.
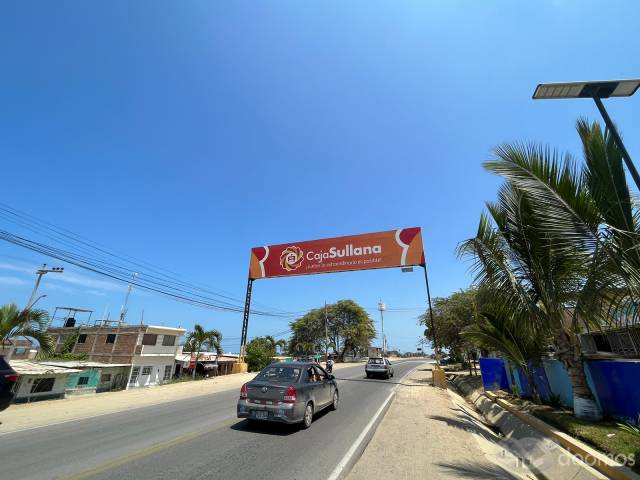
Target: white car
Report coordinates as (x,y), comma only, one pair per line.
(378,366)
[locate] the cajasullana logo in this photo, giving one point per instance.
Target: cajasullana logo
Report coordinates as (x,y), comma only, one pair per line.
(291,258)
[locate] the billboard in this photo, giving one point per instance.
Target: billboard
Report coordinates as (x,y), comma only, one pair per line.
(392,248)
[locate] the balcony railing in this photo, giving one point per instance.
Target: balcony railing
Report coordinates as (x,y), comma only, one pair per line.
(159,350)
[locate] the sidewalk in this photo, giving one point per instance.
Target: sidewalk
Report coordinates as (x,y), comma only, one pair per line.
(31,415)
(429,433)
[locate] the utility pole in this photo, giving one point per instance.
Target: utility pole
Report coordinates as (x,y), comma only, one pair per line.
(39,274)
(123,310)
(382,307)
(326,334)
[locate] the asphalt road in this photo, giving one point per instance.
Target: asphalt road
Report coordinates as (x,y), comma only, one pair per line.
(198,438)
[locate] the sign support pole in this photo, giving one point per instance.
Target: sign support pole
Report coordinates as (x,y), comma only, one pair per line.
(433,326)
(245,320)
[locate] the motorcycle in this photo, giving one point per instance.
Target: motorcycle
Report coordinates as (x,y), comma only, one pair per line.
(330,366)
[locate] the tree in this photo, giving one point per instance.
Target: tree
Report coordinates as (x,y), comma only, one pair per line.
(348,328)
(260,352)
(281,343)
(25,323)
(66,351)
(558,250)
(501,334)
(450,315)
(201,340)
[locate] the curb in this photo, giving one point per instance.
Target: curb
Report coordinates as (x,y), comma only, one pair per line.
(497,411)
(592,457)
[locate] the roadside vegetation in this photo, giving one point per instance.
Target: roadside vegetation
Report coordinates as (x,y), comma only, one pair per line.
(200,340)
(350,329)
(554,256)
(31,323)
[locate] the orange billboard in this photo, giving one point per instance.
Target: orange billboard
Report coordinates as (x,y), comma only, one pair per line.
(392,248)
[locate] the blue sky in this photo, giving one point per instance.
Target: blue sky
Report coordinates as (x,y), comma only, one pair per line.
(185,133)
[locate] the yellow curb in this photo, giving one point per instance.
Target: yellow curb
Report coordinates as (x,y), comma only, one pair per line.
(590,456)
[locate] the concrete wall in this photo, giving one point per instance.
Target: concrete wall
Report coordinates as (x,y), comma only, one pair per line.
(73,386)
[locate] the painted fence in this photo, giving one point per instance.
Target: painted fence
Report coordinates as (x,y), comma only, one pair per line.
(615,383)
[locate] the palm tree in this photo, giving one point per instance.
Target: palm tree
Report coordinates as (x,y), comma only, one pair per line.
(559,249)
(277,343)
(500,334)
(25,323)
(201,340)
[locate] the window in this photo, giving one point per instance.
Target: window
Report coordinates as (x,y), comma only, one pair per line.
(83,381)
(320,373)
(19,350)
(111,338)
(149,339)
(82,338)
(135,371)
(279,374)
(146,371)
(169,340)
(42,385)
(105,377)
(167,372)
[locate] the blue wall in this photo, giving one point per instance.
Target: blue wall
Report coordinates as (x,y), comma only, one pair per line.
(615,383)
(617,387)
(494,375)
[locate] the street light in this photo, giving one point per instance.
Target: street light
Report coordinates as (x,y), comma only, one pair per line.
(596,91)
(40,273)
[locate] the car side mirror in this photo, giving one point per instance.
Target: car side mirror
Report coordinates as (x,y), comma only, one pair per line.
(331,377)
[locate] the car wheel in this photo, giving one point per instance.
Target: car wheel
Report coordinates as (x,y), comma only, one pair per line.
(387,376)
(336,399)
(368,376)
(308,416)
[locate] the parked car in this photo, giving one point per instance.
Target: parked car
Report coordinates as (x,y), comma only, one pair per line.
(8,379)
(288,393)
(378,366)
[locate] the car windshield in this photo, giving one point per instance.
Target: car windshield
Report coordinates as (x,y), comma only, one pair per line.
(279,374)
(377,361)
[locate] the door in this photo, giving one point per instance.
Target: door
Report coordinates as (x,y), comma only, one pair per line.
(324,387)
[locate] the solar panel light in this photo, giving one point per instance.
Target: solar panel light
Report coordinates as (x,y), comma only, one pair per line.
(601,89)
(596,91)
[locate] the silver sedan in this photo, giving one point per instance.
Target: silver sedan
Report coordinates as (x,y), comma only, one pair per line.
(288,392)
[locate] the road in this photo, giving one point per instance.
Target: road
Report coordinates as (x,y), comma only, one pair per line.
(197,438)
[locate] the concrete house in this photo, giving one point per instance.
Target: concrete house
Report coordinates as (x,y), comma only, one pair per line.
(150,350)
(39,382)
(19,349)
(94,377)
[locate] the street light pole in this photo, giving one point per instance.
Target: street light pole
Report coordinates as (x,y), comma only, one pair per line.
(382,307)
(39,274)
(326,335)
(616,138)
(597,91)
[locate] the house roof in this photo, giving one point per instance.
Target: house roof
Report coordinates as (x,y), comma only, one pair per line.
(84,364)
(207,357)
(26,367)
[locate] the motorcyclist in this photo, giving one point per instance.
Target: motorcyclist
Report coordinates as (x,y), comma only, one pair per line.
(329,364)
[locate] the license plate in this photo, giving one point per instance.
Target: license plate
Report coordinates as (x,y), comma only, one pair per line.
(260,415)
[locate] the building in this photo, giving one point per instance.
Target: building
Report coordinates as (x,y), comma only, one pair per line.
(94,377)
(39,382)
(209,364)
(150,350)
(19,349)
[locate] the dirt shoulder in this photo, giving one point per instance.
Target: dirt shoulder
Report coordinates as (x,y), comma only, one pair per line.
(432,433)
